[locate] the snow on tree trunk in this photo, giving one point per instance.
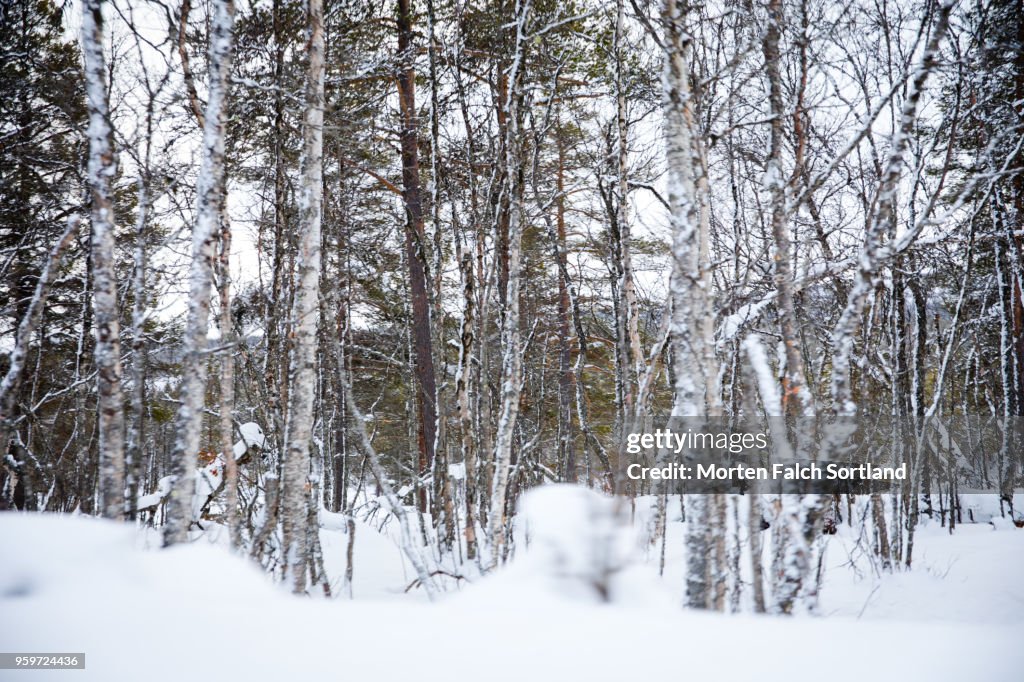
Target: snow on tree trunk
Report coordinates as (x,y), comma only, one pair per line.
(305,315)
(511,365)
(137,433)
(210,191)
(444,496)
(140,358)
(696,390)
(795,517)
(629,358)
(798,516)
(463,381)
(227,387)
(883,216)
(690,287)
(101,170)
(796,398)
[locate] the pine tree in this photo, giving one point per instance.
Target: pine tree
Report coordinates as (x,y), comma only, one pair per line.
(42,184)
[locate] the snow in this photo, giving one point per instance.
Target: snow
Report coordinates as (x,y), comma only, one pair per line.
(208,477)
(766,383)
(772,181)
(746,313)
(1001,523)
(252,436)
(972,576)
(582,548)
(163,489)
(72,583)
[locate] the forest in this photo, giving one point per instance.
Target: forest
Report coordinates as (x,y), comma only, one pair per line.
(315,280)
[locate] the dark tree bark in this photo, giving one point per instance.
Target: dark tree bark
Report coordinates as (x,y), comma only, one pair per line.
(415,241)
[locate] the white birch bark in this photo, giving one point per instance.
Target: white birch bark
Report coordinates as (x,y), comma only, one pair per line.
(883,216)
(795,526)
(227,388)
(511,365)
(796,397)
(630,356)
(305,315)
(696,390)
(210,190)
(690,287)
(137,397)
(101,170)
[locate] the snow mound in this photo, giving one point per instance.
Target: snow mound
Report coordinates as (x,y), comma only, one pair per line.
(574,546)
(34,562)
(198,612)
(1001,523)
(578,538)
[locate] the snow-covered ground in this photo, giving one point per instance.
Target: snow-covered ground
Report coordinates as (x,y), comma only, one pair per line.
(74,584)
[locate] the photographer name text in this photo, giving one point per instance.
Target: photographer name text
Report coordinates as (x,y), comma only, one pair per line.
(793,471)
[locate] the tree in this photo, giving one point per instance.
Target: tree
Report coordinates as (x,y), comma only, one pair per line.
(416,251)
(102,167)
(696,391)
(42,184)
(511,363)
(210,190)
(305,315)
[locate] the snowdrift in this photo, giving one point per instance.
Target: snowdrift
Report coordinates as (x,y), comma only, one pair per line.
(199,613)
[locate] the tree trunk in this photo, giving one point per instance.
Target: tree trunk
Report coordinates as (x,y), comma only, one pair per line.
(884,215)
(136,440)
(796,399)
(102,167)
(415,247)
(209,200)
(227,387)
(511,365)
(566,378)
(305,314)
(695,390)
(629,355)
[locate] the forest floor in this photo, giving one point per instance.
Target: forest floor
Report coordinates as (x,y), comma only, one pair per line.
(197,613)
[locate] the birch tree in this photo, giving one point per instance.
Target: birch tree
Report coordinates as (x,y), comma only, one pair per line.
(884,214)
(796,397)
(629,358)
(795,527)
(210,190)
(696,391)
(511,364)
(305,315)
(102,167)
